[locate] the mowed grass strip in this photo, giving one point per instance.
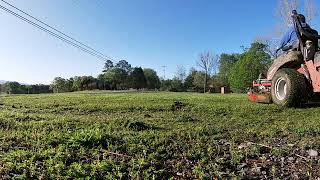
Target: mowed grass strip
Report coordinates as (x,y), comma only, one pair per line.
(155,136)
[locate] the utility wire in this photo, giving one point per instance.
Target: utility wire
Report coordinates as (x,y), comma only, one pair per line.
(38,20)
(48,31)
(94,53)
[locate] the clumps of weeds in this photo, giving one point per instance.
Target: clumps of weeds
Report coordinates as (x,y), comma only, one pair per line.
(133,125)
(221,111)
(177,106)
(24,118)
(7,124)
(224,111)
(93,138)
(134,109)
(94,110)
(186,118)
(138,126)
(278,109)
(147,116)
(157,109)
(54,139)
(264,150)
(16,106)
(66,108)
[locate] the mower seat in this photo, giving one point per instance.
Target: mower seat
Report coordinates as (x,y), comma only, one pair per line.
(310,34)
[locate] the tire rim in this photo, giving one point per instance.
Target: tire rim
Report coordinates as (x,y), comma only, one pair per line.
(281,89)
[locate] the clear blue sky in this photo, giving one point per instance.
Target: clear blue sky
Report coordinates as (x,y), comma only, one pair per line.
(147,33)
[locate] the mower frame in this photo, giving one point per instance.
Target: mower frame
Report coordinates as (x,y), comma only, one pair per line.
(305,60)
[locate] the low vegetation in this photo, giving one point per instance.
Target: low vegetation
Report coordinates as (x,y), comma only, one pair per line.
(118,135)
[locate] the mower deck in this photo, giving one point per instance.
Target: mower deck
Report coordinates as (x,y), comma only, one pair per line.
(260,97)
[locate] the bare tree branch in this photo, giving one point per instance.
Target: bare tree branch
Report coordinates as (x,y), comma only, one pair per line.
(207,62)
(285,7)
(284,10)
(271,44)
(181,73)
(310,10)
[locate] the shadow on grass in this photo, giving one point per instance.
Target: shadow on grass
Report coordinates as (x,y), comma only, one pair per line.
(310,105)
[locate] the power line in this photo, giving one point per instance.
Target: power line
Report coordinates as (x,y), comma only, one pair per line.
(92,51)
(51,33)
(55,29)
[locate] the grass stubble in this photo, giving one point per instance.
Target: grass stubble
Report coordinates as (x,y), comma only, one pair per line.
(160,135)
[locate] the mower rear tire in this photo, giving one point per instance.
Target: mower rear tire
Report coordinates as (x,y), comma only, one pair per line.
(288,88)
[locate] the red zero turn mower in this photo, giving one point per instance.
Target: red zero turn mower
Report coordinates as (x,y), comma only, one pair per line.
(294,77)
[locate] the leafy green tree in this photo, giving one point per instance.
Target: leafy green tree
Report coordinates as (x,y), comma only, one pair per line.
(199,80)
(76,85)
(153,81)
(166,85)
(101,77)
(117,78)
(69,85)
(104,84)
(177,85)
(124,65)
(226,63)
(87,83)
(28,89)
(59,85)
(107,65)
(250,64)
(38,89)
(137,80)
(215,84)
(188,83)
(14,88)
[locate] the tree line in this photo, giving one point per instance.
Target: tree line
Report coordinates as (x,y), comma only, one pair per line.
(235,71)
(119,76)
(17,88)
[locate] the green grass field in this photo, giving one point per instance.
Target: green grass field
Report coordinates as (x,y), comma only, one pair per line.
(155,136)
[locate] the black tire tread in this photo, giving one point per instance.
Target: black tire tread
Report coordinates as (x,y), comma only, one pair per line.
(297,93)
